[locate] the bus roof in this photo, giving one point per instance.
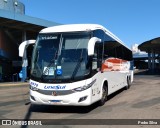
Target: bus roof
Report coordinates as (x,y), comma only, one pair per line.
(79,28)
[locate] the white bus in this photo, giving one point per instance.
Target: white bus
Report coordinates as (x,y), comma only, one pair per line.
(78,65)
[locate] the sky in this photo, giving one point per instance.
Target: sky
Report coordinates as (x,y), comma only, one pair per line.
(133,21)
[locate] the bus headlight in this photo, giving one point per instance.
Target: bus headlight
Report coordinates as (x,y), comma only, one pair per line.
(33,88)
(82,88)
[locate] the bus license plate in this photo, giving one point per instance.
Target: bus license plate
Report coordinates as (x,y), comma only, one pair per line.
(55,101)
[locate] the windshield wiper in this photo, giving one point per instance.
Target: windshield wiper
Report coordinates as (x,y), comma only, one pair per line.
(76,68)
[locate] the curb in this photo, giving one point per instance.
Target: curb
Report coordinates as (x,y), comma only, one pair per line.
(13,84)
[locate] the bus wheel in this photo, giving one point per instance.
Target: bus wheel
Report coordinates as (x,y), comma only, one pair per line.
(104,95)
(128,83)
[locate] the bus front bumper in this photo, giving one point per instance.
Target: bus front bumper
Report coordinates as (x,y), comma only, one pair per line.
(82,98)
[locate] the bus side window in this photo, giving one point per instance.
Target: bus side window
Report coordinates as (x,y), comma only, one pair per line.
(97,57)
(105,56)
(94,62)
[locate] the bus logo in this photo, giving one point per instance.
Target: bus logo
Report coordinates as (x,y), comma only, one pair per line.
(54,93)
(58,87)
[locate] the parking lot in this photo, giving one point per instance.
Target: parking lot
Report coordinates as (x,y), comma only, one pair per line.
(141,101)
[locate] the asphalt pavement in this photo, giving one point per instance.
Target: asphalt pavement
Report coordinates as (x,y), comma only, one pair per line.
(140,102)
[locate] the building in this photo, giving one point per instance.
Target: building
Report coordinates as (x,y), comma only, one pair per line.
(147,56)
(15,27)
(152,47)
(140,58)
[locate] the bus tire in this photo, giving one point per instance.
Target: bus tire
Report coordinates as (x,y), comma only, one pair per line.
(128,83)
(104,95)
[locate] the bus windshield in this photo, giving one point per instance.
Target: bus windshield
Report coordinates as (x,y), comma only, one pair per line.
(58,57)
